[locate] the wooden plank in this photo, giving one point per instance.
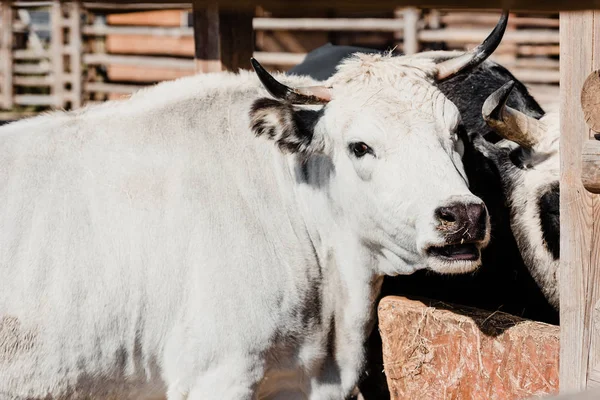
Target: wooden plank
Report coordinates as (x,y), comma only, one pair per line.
(224,39)
(576,204)
(143,74)
(6,59)
(102,30)
(543,50)
(207,47)
(536,75)
(35,100)
(119,7)
(33,69)
(329,24)
(56,48)
(163,18)
(102,87)
(467,18)
(593,280)
(160,62)
(279,58)
(411,30)
(31,55)
(143,44)
(236,38)
(33,81)
(459,35)
(75,56)
(383,5)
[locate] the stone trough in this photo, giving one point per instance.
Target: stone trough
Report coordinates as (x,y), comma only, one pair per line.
(436,351)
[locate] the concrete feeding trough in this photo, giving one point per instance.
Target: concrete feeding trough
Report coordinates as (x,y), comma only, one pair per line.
(434,350)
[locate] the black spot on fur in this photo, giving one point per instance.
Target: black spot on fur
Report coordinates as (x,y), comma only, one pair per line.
(291,129)
(549,205)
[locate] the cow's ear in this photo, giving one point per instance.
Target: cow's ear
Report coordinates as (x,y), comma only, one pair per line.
(292,129)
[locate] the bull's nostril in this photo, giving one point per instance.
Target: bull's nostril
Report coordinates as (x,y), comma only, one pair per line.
(447,216)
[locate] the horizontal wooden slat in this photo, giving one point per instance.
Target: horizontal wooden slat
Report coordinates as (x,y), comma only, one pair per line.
(140,73)
(101,30)
(142,44)
(329,24)
(30,54)
(164,18)
(457,35)
(37,55)
(102,87)
(34,100)
(159,62)
(31,69)
(536,75)
(273,58)
(460,18)
(33,80)
(532,50)
(373,5)
(133,6)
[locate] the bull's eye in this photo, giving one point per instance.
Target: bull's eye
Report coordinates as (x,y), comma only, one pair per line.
(360,149)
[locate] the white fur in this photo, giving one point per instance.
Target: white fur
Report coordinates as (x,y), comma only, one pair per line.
(153,245)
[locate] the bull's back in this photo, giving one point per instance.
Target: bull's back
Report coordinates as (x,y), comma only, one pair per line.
(115,234)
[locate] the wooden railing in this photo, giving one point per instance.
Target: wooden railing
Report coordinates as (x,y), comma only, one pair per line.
(97,52)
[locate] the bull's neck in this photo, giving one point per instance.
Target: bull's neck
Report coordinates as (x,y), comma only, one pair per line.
(350,285)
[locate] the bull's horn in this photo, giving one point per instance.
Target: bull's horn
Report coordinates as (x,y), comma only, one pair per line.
(479,54)
(509,123)
(306,95)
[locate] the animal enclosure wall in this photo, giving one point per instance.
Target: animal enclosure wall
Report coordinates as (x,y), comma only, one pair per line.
(579,209)
(99,51)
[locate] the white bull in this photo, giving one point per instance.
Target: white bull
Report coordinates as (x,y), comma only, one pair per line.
(154,245)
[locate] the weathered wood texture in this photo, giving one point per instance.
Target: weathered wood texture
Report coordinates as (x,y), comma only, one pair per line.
(579,210)
(590,100)
(590,166)
(224,39)
(379,5)
(74,52)
(56,48)
(207,39)
(6,56)
(442,352)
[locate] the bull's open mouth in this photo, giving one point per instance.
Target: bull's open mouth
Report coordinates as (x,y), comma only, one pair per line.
(456,252)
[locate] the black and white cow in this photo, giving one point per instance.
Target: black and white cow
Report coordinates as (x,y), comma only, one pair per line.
(504,281)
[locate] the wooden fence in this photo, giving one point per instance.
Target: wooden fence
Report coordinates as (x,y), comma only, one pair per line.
(100,51)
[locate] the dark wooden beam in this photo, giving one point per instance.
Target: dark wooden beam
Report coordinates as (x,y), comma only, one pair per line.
(206,38)
(380,5)
(224,39)
(237,38)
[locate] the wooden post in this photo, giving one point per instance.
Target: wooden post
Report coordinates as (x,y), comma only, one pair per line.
(579,210)
(6,56)
(57,53)
(224,39)
(75,49)
(411,21)
(237,38)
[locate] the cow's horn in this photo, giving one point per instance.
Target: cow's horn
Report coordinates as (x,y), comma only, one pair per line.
(479,54)
(509,123)
(306,95)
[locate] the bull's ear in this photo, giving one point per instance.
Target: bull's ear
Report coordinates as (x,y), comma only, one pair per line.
(292,129)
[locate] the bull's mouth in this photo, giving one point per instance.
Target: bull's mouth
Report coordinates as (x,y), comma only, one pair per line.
(455,252)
